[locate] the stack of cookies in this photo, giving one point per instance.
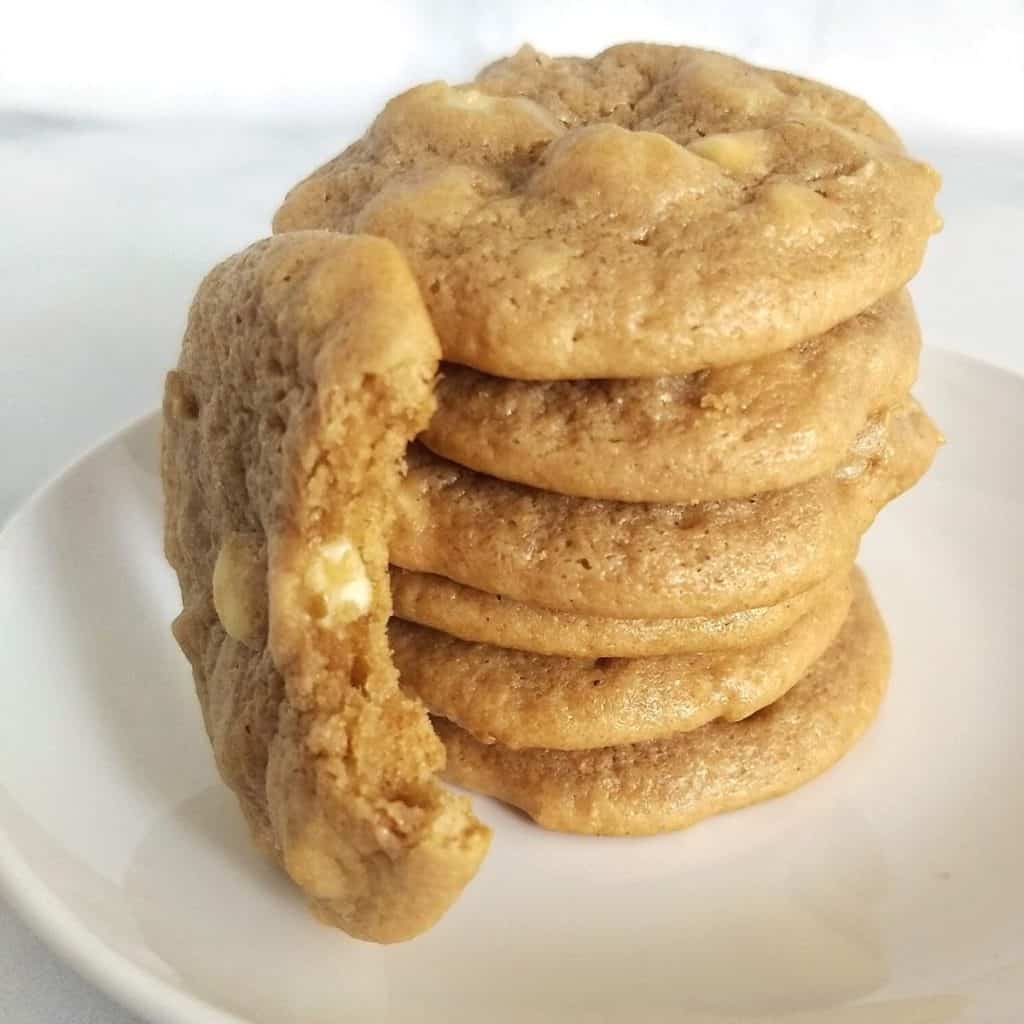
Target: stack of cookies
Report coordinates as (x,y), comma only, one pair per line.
(668,288)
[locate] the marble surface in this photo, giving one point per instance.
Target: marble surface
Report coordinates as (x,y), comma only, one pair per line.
(108,228)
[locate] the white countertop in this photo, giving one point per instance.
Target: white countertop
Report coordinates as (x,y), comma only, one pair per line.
(107,230)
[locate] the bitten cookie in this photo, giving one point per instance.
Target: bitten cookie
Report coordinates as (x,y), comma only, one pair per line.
(653,210)
(306,368)
(673,783)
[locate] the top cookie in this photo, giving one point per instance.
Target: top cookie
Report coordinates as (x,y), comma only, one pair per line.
(306,368)
(653,210)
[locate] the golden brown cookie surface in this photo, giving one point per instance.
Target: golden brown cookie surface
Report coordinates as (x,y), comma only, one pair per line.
(306,367)
(533,700)
(482,618)
(650,211)
(719,433)
(654,561)
(671,784)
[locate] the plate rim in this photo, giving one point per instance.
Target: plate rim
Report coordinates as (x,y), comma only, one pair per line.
(53,922)
(45,914)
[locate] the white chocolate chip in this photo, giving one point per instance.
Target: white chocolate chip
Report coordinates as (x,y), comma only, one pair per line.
(469,99)
(180,403)
(796,203)
(240,588)
(410,507)
(733,87)
(736,152)
(336,577)
(542,260)
(515,107)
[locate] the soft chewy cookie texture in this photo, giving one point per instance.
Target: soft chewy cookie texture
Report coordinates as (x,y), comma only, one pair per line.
(718,433)
(645,788)
(650,211)
(534,700)
(625,559)
(480,617)
(306,368)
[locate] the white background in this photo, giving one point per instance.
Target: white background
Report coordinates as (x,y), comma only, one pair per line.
(139,143)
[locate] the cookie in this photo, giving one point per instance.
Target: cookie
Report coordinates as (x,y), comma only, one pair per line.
(535,700)
(306,367)
(479,617)
(651,211)
(654,561)
(723,433)
(671,784)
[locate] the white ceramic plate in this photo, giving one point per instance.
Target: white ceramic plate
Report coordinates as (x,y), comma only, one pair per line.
(888,891)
